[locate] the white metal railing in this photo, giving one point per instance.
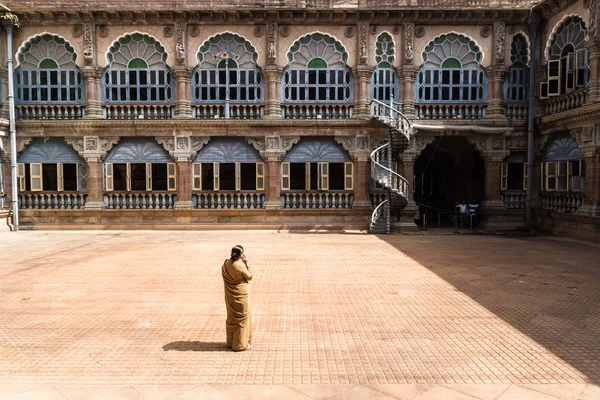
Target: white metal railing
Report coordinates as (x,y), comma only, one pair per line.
(235,111)
(566,102)
(313,200)
(317,111)
(384,175)
(236,200)
(391,117)
(562,202)
(49,111)
(516,110)
(52,200)
(381,211)
(138,111)
(140,200)
(514,199)
(450,111)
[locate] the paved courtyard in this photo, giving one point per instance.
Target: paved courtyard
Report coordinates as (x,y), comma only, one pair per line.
(140,315)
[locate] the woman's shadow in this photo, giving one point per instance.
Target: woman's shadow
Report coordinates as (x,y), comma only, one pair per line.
(196,346)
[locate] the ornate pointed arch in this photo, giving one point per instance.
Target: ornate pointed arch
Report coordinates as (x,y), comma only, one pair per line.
(46,46)
(134,46)
(385,49)
(570,30)
(519,49)
(452,45)
(317,46)
(227,45)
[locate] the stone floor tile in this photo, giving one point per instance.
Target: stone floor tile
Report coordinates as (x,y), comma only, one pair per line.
(46,392)
(441,392)
(360,392)
(83,392)
(516,392)
(562,391)
(162,392)
(119,393)
(322,391)
(8,389)
(483,392)
(591,392)
(246,392)
(202,392)
(405,391)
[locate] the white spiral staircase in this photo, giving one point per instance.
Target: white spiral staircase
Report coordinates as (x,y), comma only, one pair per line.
(381,165)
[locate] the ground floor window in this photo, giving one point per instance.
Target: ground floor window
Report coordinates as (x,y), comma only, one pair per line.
(317,176)
(215,176)
(563,176)
(514,176)
(52,177)
(140,177)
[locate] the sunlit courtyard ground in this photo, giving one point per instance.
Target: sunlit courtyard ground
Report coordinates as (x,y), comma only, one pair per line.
(141,315)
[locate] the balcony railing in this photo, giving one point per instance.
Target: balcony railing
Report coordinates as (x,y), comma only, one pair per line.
(562,202)
(450,110)
(377,198)
(52,200)
(514,199)
(138,111)
(516,110)
(317,200)
(236,111)
(223,201)
(49,111)
(566,102)
(140,200)
(317,111)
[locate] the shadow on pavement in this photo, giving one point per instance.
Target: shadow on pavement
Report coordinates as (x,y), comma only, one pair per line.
(196,346)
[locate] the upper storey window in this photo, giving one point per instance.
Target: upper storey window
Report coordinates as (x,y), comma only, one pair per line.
(227,71)
(384,82)
(137,71)
(451,71)
(317,72)
(568,65)
(517,77)
(47,72)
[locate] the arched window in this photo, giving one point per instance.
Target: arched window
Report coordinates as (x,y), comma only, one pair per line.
(137,71)
(517,77)
(227,71)
(317,72)
(384,82)
(568,65)
(451,71)
(563,168)
(47,72)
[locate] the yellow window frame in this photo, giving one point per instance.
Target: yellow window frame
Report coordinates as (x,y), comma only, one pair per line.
(348,176)
(21,176)
(197,176)
(171,177)
(323,176)
(37,177)
(285,176)
(216,177)
(504,176)
(260,176)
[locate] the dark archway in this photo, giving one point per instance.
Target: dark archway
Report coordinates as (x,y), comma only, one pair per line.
(448,171)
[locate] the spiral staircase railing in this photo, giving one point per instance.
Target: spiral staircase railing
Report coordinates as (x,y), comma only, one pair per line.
(381,165)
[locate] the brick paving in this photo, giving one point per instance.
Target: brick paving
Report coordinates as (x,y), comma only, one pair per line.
(141,315)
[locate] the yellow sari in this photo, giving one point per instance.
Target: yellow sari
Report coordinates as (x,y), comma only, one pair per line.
(239,320)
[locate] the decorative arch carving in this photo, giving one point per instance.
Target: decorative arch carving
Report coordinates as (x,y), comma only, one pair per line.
(61,42)
(143,41)
(52,150)
(570,29)
(317,45)
(138,150)
(228,150)
(453,45)
(562,147)
(238,47)
(317,149)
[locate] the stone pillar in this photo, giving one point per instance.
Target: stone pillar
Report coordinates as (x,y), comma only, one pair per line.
(493,165)
(183,99)
(184,185)
(93,91)
(273,182)
(406,169)
(594,84)
(407,78)
(591,202)
(362,181)
(95,184)
(362,96)
(273,92)
(495,101)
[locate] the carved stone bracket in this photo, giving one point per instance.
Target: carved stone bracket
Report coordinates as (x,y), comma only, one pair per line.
(288,141)
(591,28)
(92,148)
(258,143)
(347,142)
(516,143)
(494,156)
(182,147)
(584,135)
(409,43)
(481,142)
(22,143)
(420,142)
(500,36)
(274,147)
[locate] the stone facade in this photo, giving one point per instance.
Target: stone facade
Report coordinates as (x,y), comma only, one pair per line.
(491,128)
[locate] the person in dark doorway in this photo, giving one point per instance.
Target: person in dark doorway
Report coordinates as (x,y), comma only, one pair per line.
(462,210)
(472,209)
(418,217)
(236,278)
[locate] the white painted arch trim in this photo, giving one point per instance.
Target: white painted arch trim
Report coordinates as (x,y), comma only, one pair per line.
(459,34)
(231,33)
(30,38)
(108,63)
(313,33)
(553,33)
(396,54)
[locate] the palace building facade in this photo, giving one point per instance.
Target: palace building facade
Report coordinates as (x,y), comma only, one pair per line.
(210,114)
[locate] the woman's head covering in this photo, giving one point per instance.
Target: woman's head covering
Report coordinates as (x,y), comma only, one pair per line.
(236,252)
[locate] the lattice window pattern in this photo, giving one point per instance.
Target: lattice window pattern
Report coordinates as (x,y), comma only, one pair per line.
(384,81)
(137,71)
(516,83)
(47,72)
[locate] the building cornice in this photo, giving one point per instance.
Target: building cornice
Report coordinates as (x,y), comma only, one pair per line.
(566,117)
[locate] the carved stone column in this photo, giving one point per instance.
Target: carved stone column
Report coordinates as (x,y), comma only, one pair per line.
(493,165)
(273,92)
(93,91)
(407,77)
(594,84)
(406,169)
(362,78)
(182,148)
(495,101)
(94,149)
(183,99)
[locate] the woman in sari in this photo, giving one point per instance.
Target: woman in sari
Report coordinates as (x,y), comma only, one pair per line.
(237,277)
